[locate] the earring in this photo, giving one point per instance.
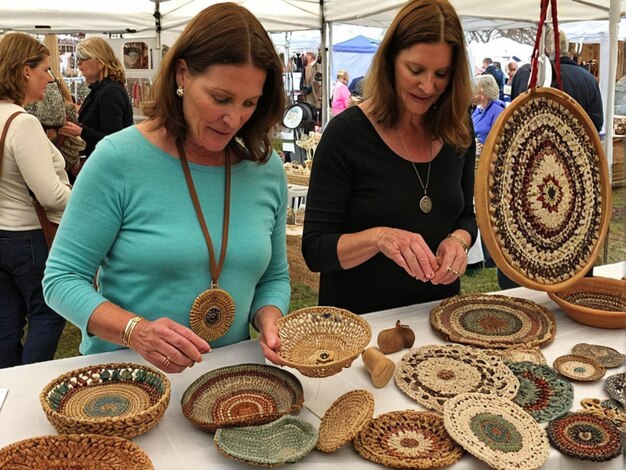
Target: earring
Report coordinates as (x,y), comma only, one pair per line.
(27,77)
(180,91)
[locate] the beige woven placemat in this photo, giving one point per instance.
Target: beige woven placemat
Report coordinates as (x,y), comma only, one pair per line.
(345,418)
(496,431)
(520,355)
(433,374)
(407,439)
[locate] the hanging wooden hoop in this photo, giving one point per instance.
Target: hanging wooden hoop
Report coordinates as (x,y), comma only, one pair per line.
(542,191)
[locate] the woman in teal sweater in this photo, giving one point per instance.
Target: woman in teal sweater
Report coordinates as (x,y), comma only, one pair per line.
(132,214)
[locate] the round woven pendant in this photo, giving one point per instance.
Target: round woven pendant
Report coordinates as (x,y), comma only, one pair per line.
(579,368)
(496,431)
(606,356)
(542,191)
(586,437)
(407,439)
(542,394)
(212,313)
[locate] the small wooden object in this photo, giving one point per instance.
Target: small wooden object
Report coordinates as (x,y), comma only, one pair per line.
(379,367)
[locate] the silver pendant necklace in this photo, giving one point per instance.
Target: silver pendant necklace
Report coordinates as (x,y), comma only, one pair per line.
(426,203)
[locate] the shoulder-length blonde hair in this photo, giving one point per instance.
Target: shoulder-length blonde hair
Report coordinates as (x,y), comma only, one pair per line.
(224,33)
(100,50)
(424,21)
(16,51)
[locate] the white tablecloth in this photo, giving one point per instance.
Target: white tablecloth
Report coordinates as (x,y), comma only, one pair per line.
(176,444)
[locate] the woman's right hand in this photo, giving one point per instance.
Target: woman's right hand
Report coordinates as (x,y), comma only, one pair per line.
(409,251)
(71,130)
(168,345)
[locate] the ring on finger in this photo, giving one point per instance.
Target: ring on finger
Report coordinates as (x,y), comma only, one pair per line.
(166,361)
(449,268)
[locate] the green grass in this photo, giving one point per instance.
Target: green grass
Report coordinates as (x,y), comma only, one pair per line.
(484,280)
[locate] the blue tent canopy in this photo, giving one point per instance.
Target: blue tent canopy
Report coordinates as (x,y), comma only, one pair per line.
(358,44)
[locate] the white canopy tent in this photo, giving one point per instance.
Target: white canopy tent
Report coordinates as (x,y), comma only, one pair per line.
(119,16)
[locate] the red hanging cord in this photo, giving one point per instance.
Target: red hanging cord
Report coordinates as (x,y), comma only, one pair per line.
(535,57)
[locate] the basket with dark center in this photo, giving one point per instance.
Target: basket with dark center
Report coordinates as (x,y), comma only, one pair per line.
(118,399)
(241,395)
(74,451)
(543,195)
(594,301)
(321,341)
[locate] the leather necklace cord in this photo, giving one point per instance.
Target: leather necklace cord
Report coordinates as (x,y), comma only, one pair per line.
(215,269)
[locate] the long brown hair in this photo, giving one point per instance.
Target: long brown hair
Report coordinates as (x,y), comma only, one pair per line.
(224,33)
(16,51)
(424,21)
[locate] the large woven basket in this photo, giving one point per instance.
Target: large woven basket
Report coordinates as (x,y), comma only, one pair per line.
(321,341)
(74,452)
(241,395)
(297,178)
(594,301)
(117,399)
(543,195)
(298,270)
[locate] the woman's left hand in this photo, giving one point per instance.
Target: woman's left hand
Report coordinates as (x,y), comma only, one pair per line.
(452,261)
(70,129)
(265,321)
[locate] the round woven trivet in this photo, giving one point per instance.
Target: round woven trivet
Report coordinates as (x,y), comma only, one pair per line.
(496,431)
(606,356)
(321,341)
(286,440)
(615,386)
(579,368)
(345,418)
(521,355)
(586,437)
(542,393)
(74,451)
(407,439)
(241,395)
(493,321)
(118,399)
(606,409)
(433,374)
(543,194)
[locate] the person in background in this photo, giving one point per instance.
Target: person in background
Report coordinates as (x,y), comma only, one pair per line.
(489,67)
(107,108)
(577,83)
(311,83)
(341,94)
(150,200)
(389,213)
(29,162)
(511,68)
(487,108)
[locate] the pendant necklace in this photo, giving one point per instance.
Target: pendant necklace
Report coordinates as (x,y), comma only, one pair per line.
(213,311)
(426,204)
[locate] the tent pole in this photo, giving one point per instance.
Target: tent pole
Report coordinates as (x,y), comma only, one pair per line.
(325,78)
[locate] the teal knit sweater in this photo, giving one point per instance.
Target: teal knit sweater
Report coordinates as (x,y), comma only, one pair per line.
(130,214)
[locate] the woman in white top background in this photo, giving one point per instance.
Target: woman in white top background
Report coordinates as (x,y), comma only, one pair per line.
(29,161)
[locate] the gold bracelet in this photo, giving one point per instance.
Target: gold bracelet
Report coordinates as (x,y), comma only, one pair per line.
(460,240)
(130,328)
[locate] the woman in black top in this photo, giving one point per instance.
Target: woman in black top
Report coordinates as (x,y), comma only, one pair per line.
(389,213)
(107,108)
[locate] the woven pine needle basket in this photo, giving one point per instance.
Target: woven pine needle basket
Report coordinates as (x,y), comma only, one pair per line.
(73,452)
(116,399)
(321,341)
(542,192)
(594,301)
(345,418)
(241,395)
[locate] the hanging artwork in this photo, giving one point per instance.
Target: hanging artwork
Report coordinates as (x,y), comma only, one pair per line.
(135,55)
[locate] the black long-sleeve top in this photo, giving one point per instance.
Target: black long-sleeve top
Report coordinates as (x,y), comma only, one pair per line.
(358,182)
(106,110)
